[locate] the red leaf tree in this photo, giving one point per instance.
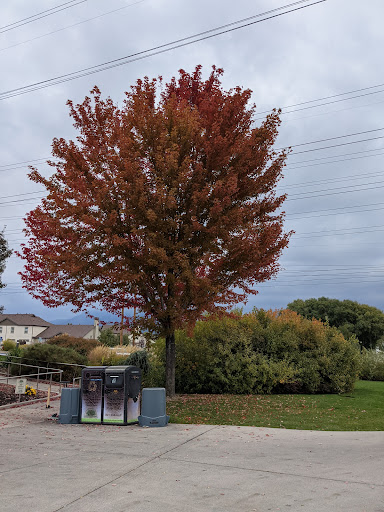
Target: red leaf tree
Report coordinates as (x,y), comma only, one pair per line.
(167,203)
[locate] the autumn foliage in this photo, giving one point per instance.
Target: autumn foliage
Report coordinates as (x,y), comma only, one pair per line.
(167,202)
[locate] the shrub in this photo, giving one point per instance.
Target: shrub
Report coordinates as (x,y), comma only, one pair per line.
(42,354)
(152,372)
(104,356)
(263,352)
(8,345)
(372,365)
(81,345)
(140,359)
(325,361)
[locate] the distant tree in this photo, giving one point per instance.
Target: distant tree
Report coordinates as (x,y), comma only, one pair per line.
(106,337)
(167,203)
(365,322)
(5,253)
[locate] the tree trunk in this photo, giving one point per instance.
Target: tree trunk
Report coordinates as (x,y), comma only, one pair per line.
(170,363)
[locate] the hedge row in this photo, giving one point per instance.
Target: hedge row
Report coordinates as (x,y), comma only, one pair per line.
(264,352)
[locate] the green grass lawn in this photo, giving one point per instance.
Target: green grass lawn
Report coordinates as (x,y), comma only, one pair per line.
(362,409)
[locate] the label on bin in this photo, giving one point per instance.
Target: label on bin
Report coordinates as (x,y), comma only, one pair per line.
(114,406)
(91,401)
(133,411)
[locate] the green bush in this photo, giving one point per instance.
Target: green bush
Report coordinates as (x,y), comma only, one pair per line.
(9,345)
(324,361)
(81,345)
(109,339)
(140,359)
(372,365)
(263,352)
(152,370)
(43,355)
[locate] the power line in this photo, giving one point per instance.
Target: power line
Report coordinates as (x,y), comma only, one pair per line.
(326,103)
(333,193)
(336,145)
(5,166)
(19,195)
(335,188)
(18,201)
(352,244)
(309,234)
(346,265)
(293,197)
(314,283)
(179,43)
(40,15)
(294,216)
(26,161)
(290,198)
(328,97)
(344,230)
(332,138)
(353,177)
(335,161)
(336,233)
(70,26)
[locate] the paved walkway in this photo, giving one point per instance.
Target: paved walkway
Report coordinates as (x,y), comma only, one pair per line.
(48,467)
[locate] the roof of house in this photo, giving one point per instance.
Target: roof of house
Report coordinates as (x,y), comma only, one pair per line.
(78,331)
(115,328)
(24,319)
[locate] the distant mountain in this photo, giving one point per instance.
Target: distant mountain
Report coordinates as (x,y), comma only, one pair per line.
(83,319)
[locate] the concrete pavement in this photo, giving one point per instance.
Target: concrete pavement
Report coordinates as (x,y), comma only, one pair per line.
(48,467)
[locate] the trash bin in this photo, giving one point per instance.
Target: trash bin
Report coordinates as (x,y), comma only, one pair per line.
(92,393)
(153,404)
(121,395)
(69,406)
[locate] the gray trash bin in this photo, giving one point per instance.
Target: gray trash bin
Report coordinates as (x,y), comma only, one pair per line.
(153,412)
(121,395)
(69,406)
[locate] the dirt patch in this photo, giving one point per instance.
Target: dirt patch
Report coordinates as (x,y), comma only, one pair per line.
(7,395)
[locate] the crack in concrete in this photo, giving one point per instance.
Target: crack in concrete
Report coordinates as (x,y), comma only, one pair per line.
(274,472)
(135,468)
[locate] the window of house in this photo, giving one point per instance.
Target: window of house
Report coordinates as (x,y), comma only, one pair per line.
(25,330)
(1,330)
(12,330)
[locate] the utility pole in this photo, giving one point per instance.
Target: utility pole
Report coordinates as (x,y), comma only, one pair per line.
(121,326)
(134,324)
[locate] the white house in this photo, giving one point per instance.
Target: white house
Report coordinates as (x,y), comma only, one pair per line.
(21,327)
(28,328)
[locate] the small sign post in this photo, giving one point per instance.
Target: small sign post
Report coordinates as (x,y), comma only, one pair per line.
(20,387)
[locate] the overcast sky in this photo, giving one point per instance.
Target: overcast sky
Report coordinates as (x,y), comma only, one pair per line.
(335,193)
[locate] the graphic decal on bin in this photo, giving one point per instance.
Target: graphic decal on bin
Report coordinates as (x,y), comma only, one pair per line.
(121,395)
(92,391)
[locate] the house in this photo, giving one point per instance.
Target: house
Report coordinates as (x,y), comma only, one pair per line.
(77,331)
(21,328)
(28,328)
